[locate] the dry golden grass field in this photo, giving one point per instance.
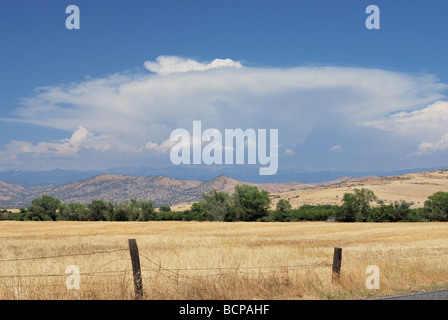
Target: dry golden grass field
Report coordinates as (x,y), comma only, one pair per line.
(218,260)
(414,188)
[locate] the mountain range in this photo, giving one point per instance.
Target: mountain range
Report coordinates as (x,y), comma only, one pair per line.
(119,188)
(243,173)
(179,187)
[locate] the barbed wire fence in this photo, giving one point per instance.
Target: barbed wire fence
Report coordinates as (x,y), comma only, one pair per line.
(137,271)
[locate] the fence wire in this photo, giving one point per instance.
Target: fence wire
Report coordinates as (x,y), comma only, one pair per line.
(62,255)
(174,274)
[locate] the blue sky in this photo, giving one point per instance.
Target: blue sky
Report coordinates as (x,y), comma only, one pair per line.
(342,96)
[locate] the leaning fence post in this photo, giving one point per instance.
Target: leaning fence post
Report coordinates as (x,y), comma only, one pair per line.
(337,259)
(135,260)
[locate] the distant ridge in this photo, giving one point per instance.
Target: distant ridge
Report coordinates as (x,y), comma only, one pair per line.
(59,177)
(119,188)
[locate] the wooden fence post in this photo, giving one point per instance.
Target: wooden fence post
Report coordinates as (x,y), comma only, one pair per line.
(135,260)
(337,259)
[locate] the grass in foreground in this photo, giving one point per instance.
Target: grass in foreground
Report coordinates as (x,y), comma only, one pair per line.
(216,260)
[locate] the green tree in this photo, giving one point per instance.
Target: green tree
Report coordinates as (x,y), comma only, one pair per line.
(132,210)
(19,216)
(121,212)
(73,212)
(383,213)
(401,210)
(43,208)
(437,204)
(146,210)
(283,206)
(110,212)
(281,211)
(216,205)
(97,210)
(36,214)
(197,207)
(250,203)
(419,215)
(196,212)
(356,205)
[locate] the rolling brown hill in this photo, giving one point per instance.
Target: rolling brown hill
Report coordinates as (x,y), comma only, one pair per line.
(413,187)
(226,184)
(180,194)
(119,188)
(9,191)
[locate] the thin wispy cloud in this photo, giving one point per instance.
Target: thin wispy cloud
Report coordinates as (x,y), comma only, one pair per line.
(336,148)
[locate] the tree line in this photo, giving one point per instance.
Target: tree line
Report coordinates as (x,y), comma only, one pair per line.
(246,203)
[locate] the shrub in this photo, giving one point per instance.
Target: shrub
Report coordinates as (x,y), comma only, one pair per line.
(165,208)
(417,215)
(314,213)
(73,212)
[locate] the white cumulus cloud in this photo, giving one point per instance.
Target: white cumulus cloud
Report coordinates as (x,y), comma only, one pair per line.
(162,148)
(426,148)
(165,65)
(64,147)
(135,113)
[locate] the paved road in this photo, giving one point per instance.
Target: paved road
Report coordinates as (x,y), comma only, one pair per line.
(430,295)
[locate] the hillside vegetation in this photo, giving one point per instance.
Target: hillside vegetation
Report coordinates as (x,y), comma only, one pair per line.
(246,203)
